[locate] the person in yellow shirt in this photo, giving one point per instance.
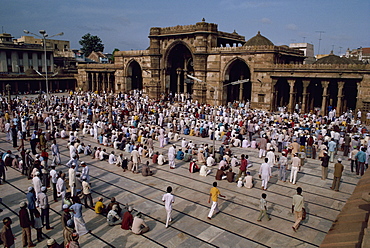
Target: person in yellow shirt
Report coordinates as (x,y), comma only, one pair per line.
(214,194)
(100,207)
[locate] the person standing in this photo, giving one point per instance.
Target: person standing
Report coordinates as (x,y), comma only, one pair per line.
(243,166)
(31,198)
(85,171)
(2,170)
(56,153)
(338,170)
(7,236)
(54,179)
(263,208)
(324,166)
(72,179)
(361,160)
(25,223)
(214,194)
(296,164)
(171,156)
(265,173)
(332,147)
(61,186)
(283,161)
(86,192)
(77,217)
(297,208)
(44,205)
(168,200)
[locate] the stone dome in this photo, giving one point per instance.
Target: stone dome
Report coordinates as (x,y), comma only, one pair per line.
(258,40)
(335,60)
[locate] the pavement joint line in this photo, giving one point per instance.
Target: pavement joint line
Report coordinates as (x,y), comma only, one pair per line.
(257,179)
(260,190)
(54,210)
(345,182)
(280,186)
(207,208)
(146,236)
(93,164)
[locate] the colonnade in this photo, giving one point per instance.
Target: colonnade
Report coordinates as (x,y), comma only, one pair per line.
(325,95)
(101,81)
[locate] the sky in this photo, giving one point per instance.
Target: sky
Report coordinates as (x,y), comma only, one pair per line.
(125,24)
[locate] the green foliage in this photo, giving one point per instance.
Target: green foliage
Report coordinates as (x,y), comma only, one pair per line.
(112,57)
(91,43)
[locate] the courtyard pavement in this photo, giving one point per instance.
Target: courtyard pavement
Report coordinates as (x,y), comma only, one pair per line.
(235,226)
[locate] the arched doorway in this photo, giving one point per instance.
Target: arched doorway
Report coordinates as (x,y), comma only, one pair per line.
(179,62)
(134,76)
(237,70)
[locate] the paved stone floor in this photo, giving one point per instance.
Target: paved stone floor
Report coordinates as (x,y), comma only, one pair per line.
(234,226)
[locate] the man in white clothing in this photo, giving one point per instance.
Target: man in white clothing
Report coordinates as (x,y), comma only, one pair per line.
(171,156)
(72,179)
(112,158)
(168,200)
(85,171)
(296,164)
(61,187)
(265,173)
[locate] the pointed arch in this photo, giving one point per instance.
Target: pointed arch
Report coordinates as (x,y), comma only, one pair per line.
(178,61)
(134,74)
(236,69)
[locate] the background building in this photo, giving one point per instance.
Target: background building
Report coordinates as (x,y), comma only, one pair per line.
(21,59)
(273,76)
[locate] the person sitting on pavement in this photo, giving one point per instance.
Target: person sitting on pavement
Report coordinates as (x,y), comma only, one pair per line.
(112,203)
(113,218)
(138,226)
(248,181)
(193,167)
(145,170)
(100,207)
(127,219)
(204,171)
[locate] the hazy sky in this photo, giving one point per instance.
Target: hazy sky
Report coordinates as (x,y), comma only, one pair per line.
(125,24)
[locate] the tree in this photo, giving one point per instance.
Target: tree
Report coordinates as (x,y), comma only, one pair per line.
(91,43)
(112,57)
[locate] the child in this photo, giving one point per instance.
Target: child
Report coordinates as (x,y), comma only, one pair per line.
(263,208)
(38,225)
(240,182)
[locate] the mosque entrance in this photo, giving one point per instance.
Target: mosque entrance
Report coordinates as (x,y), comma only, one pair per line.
(179,63)
(237,70)
(134,76)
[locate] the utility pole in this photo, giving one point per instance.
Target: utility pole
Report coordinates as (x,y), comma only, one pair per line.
(321,32)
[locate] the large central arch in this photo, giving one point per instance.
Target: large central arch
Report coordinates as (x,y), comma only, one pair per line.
(178,63)
(237,70)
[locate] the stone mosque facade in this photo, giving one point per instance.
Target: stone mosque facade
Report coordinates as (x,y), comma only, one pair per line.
(216,67)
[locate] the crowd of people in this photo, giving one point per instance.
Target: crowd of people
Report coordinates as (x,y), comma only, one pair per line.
(137,133)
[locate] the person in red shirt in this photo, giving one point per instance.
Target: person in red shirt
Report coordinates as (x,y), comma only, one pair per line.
(243,166)
(127,220)
(193,167)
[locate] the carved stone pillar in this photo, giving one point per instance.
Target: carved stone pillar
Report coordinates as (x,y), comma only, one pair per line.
(325,85)
(241,89)
(273,95)
(339,101)
(108,82)
(291,95)
(178,70)
(304,100)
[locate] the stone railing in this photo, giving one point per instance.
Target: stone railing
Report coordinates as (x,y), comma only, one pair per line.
(200,26)
(320,66)
(131,53)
